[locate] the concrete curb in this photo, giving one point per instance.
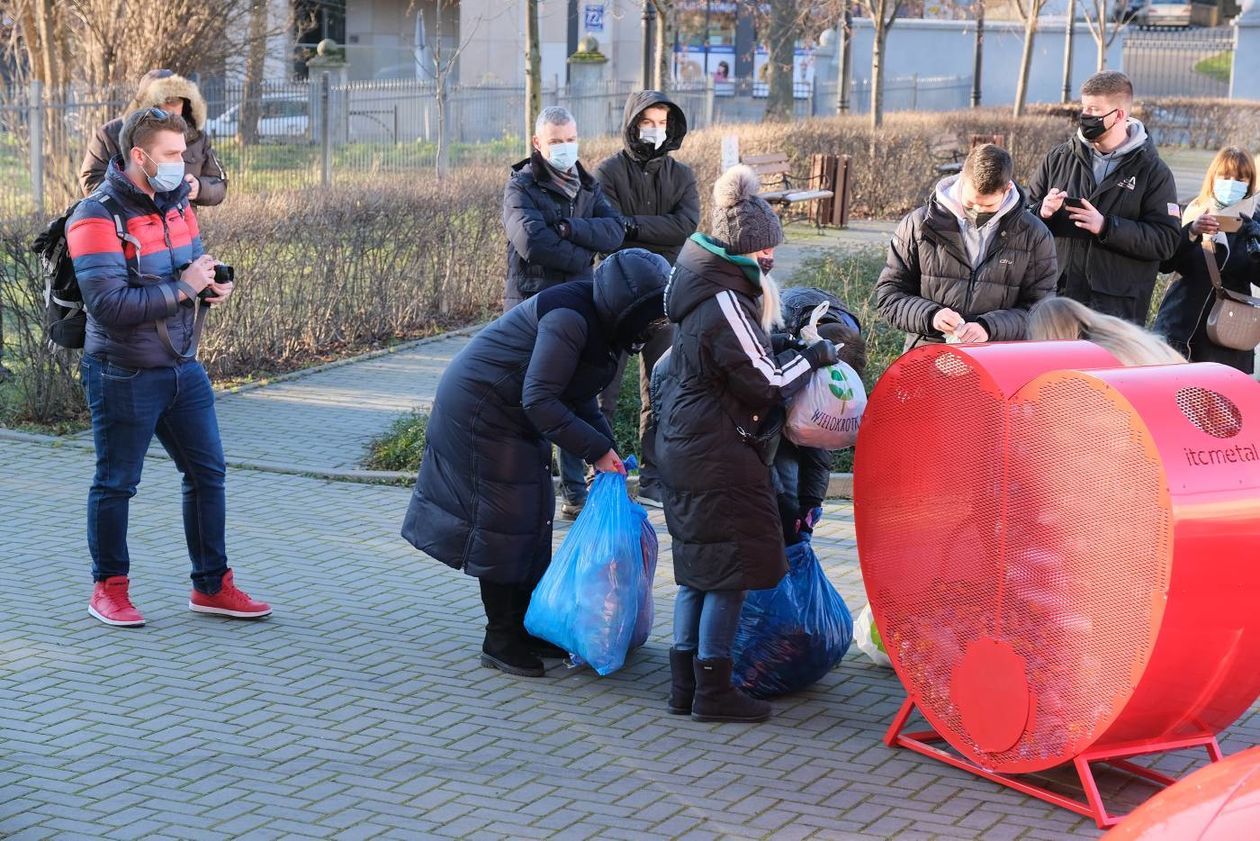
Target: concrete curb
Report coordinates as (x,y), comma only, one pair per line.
(840,485)
(349,360)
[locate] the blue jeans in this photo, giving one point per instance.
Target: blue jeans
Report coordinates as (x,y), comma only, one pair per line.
(128,407)
(572,478)
(706,622)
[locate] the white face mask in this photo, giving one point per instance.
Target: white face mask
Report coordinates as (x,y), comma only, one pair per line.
(563,155)
(168,176)
(1228,191)
(653,136)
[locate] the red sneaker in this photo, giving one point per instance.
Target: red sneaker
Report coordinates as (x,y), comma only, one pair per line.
(229,601)
(111,604)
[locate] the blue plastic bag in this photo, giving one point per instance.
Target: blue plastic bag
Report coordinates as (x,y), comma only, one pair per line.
(590,599)
(790,636)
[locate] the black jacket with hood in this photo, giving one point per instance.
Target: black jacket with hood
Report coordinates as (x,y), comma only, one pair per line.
(484,498)
(538,257)
(656,194)
(720,377)
(993,277)
(1138,197)
(156,87)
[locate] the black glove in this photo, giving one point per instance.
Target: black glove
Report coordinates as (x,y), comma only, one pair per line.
(632,230)
(821,354)
(563,228)
(781,341)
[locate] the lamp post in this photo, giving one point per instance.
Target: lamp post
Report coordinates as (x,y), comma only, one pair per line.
(1067,50)
(846,61)
(979,55)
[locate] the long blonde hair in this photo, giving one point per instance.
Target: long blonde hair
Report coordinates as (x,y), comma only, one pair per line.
(1063,318)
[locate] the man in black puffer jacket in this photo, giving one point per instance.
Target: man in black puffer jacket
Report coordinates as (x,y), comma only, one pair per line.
(971,262)
(555,214)
(660,205)
(1125,219)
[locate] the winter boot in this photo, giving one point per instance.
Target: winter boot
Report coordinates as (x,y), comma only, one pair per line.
(717,700)
(682,687)
(537,646)
(504,648)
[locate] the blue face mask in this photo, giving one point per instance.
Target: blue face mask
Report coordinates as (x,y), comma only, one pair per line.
(1228,191)
(563,155)
(168,176)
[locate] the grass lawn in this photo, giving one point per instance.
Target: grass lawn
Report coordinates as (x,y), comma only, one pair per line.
(1217,66)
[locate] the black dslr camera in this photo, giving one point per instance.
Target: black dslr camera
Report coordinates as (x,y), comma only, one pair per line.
(223,273)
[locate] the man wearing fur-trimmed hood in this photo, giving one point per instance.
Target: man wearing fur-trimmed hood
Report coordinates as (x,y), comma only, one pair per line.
(173,93)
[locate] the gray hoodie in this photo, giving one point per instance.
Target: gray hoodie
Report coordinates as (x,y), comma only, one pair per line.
(1105,162)
(975,239)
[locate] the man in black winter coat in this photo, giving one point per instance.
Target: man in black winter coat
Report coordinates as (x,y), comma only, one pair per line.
(972,262)
(557,221)
(1110,202)
(660,207)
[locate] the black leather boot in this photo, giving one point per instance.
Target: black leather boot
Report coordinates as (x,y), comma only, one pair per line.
(504,649)
(682,687)
(717,700)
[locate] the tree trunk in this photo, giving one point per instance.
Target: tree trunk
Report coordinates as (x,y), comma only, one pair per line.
(665,27)
(1025,61)
(533,70)
(1102,36)
(780,69)
(442,67)
(877,74)
(255,62)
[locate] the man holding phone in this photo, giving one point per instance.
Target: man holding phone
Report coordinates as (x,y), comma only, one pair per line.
(1110,202)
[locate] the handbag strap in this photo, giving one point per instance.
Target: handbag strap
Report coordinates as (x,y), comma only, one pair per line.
(1209,256)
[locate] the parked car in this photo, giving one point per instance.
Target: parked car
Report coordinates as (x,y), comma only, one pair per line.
(1164,14)
(279,117)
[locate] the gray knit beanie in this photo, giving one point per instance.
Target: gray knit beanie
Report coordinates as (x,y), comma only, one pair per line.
(742,221)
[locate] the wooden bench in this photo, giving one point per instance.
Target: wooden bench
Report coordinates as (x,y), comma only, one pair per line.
(948,149)
(775,171)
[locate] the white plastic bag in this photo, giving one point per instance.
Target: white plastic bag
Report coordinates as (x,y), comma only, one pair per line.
(866,638)
(826,413)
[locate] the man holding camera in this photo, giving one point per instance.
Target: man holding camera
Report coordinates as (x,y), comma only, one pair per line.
(146,283)
(1110,202)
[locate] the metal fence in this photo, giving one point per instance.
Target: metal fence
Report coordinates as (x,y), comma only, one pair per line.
(1191,62)
(308,131)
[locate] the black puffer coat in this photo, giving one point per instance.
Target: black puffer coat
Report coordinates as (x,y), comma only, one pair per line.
(928,270)
(1138,198)
(484,498)
(1183,313)
(719,501)
(537,255)
(656,194)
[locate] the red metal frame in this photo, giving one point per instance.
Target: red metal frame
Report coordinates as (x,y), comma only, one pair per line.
(1093,806)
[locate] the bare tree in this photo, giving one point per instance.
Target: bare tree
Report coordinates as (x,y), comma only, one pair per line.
(666,26)
(1029,12)
(1106,20)
(883,14)
(440,70)
(533,70)
(255,62)
(781,35)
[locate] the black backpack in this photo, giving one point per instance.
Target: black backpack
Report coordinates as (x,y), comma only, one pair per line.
(64,316)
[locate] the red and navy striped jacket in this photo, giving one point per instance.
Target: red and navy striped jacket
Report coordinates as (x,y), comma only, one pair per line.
(128,286)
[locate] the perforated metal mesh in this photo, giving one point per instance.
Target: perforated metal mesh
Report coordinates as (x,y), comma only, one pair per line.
(1043,523)
(1210,411)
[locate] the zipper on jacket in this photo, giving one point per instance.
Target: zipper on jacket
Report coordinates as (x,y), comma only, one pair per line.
(971,282)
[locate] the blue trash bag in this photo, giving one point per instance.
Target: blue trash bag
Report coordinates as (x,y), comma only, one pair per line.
(649,547)
(589,600)
(790,636)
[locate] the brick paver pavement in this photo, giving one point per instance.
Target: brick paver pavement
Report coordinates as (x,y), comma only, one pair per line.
(360,711)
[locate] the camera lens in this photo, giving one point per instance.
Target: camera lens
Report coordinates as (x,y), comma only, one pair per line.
(224,273)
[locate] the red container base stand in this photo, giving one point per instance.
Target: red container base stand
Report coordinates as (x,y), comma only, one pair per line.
(1092,806)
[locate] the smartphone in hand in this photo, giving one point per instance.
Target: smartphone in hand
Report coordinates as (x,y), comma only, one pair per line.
(1078,204)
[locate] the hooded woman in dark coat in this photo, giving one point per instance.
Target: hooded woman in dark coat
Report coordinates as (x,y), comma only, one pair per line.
(718,386)
(484,499)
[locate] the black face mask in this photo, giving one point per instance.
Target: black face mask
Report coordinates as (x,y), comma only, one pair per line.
(1094,127)
(765,264)
(978,218)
